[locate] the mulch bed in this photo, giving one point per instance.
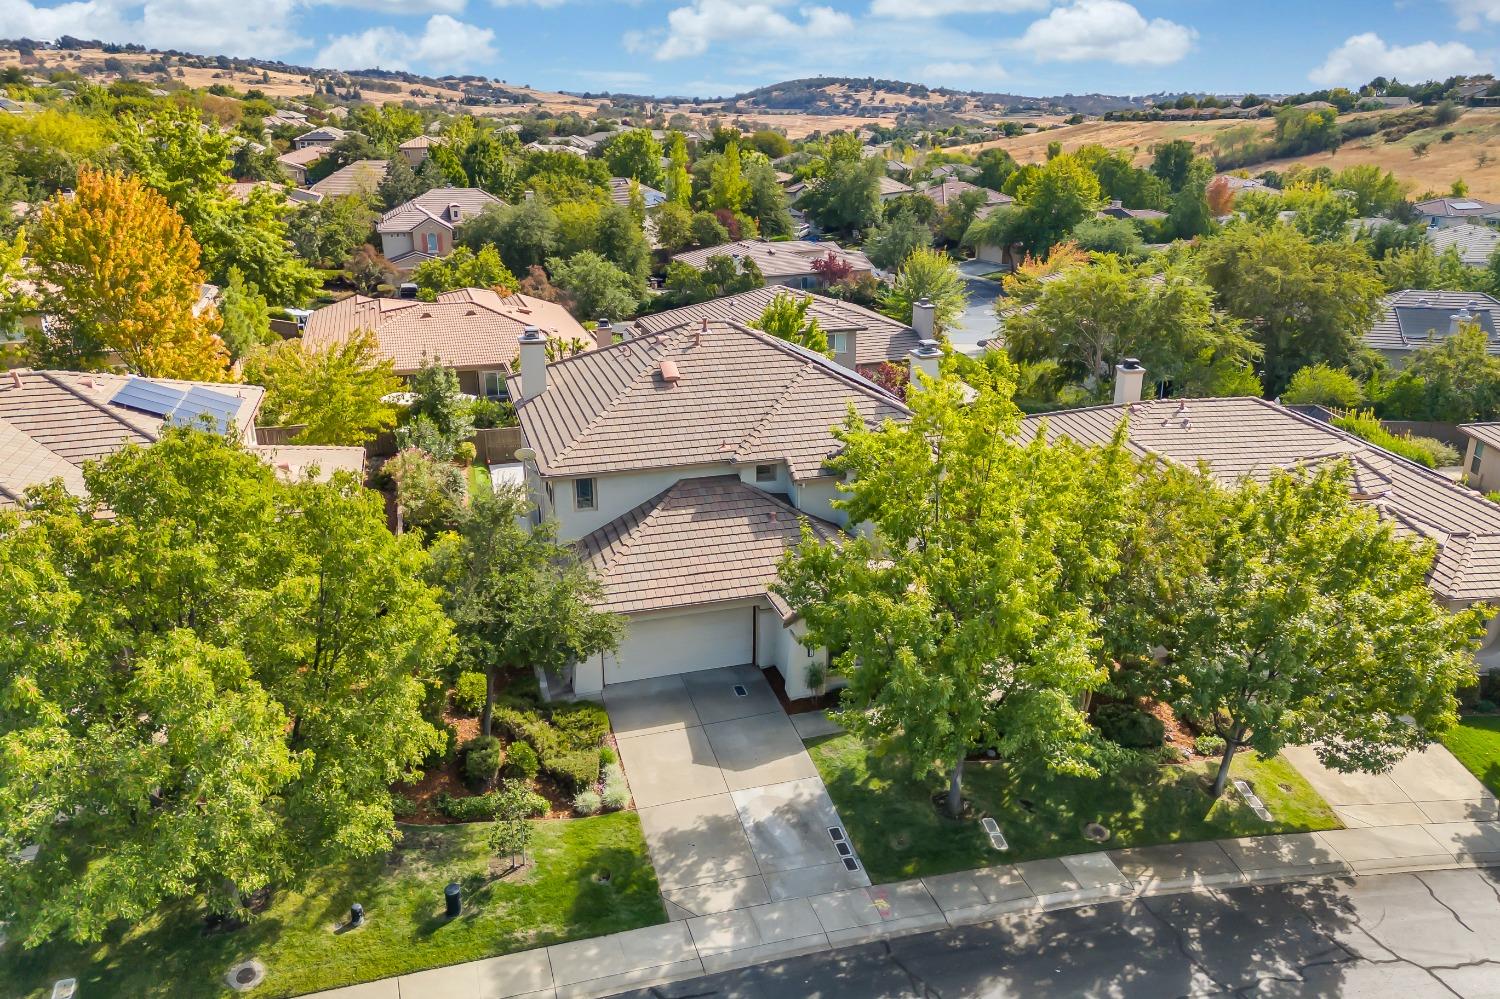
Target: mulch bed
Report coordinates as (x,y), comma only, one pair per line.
(801,705)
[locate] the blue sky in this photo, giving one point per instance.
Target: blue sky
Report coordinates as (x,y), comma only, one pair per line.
(714,47)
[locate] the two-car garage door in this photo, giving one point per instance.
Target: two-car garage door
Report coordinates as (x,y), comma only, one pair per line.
(661,645)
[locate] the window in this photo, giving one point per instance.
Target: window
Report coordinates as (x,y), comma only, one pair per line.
(583,494)
(432,242)
(765,473)
(492,385)
(1478,453)
(836,342)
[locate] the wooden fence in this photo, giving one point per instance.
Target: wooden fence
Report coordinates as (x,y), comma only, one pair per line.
(494,446)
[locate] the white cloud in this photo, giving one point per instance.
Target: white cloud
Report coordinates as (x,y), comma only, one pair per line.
(1364,57)
(1473,13)
(402,6)
(692,30)
(1108,31)
(445,45)
(195,25)
(944,8)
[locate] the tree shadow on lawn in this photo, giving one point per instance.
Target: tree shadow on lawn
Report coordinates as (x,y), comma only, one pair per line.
(899,833)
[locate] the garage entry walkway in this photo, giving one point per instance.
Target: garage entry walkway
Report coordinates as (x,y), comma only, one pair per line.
(733,809)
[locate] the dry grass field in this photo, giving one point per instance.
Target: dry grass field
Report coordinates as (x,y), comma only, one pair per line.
(1135,136)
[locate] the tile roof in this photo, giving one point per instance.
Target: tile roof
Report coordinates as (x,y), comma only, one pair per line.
(436,206)
(302,157)
(879,337)
(619,192)
(786,258)
(468,328)
(359,177)
(1415,318)
(423,142)
(742,397)
(54,421)
(890,187)
(701,541)
(1486,433)
(1242,438)
(294,461)
(324,133)
(952,188)
(1475,243)
(1457,208)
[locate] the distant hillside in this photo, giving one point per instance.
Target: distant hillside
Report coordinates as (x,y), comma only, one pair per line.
(843,95)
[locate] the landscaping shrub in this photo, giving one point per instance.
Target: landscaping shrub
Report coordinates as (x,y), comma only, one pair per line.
(1484,707)
(1208,745)
(481,759)
(482,807)
(1172,754)
(616,791)
(587,803)
(583,724)
(1129,726)
(521,761)
(512,722)
(607,755)
(468,693)
(1422,450)
(402,807)
(576,771)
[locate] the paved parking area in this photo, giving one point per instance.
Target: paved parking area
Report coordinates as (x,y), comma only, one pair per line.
(733,810)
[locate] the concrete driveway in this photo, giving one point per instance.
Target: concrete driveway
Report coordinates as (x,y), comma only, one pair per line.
(978,321)
(733,809)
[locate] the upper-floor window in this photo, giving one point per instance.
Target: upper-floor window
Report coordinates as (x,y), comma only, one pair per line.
(492,385)
(583,494)
(1478,453)
(765,473)
(837,342)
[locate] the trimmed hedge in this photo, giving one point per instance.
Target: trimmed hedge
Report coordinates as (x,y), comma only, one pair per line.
(576,771)
(481,759)
(469,693)
(521,761)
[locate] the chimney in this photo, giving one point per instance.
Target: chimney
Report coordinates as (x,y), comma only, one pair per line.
(1130,377)
(924,359)
(533,363)
(924,319)
(848,356)
(604,333)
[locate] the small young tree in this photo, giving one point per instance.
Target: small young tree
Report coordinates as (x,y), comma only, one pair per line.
(367,269)
(785,317)
(932,275)
(511,834)
(335,392)
(1321,385)
(1311,623)
(439,418)
(245,317)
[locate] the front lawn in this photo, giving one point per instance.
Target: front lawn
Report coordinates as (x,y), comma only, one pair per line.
(1475,741)
(559,899)
(899,834)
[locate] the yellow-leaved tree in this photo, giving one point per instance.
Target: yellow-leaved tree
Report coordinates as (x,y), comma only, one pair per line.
(117,273)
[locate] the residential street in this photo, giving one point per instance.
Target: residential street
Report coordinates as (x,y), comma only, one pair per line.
(1411,935)
(978,321)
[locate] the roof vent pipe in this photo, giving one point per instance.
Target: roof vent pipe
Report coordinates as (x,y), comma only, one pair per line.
(1130,378)
(533,363)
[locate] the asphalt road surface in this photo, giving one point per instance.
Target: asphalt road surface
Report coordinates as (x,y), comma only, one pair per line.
(1406,936)
(978,320)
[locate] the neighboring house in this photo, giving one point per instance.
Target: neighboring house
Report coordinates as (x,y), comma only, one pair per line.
(1412,319)
(414,151)
(619,192)
(788,263)
(321,137)
(422,229)
(1475,243)
(51,422)
(1246,437)
(890,188)
(474,331)
(1482,455)
(359,177)
(682,463)
(284,117)
(949,190)
(860,338)
(1115,210)
(555,147)
(296,162)
(1241,185)
(1444,212)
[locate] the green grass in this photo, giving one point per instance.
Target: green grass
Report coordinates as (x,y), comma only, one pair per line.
(402,893)
(479,480)
(1476,743)
(900,835)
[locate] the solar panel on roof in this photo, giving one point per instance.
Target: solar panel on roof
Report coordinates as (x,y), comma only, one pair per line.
(148,397)
(199,402)
(1465,206)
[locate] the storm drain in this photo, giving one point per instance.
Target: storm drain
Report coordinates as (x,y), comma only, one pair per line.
(740,691)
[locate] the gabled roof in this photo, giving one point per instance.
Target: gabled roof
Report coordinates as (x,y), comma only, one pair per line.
(1475,243)
(1251,438)
(302,157)
(890,187)
(433,206)
(701,541)
(1457,207)
(619,192)
(742,397)
(325,133)
(1415,318)
(879,337)
(952,188)
(423,142)
(54,421)
(469,328)
(359,177)
(776,259)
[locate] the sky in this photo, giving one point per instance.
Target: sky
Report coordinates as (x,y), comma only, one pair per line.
(709,48)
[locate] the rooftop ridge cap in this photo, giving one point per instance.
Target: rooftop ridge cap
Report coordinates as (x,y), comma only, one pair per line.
(771,412)
(825,364)
(150,435)
(609,406)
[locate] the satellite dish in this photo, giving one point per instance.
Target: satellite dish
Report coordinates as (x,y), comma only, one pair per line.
(525,454)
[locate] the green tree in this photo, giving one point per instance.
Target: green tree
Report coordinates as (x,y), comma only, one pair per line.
(518,597)
(621,240)
(511,834)
(1304,302)
(726,182)
(1320,385)
(1311,623)
(385,125)
(1171,161)
(245,319)
(959,214)
(598,288)
(525,234)
(399,185)
(707,230)
(927,273)
(367,269)
(893,241)
(786,318)
(773,145)
(1455,381)
(1053,200)
(720,276)
(765,199)
(963,622)
(327,233)
(335,392)
(1423,267)
(1376,191)
(635,154)
(678,182)
(995,167)
(1191,215)
(439,418)
(463,268)
(1323,215)
(1117,236)
(847,196)
(235,699)
(674,227)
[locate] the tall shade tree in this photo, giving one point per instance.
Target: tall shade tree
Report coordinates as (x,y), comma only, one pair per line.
(117,271)
(635,154)
(334,392)
(241,684)
(786,318)
(245,319)
(678,181)
(517,596)
(726,182)
(963,621)
(1053,200)
(1304,302)
(1311,622)
(846,196)
(930,274)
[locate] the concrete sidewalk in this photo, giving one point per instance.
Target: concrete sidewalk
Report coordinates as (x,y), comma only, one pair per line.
(1459,828)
